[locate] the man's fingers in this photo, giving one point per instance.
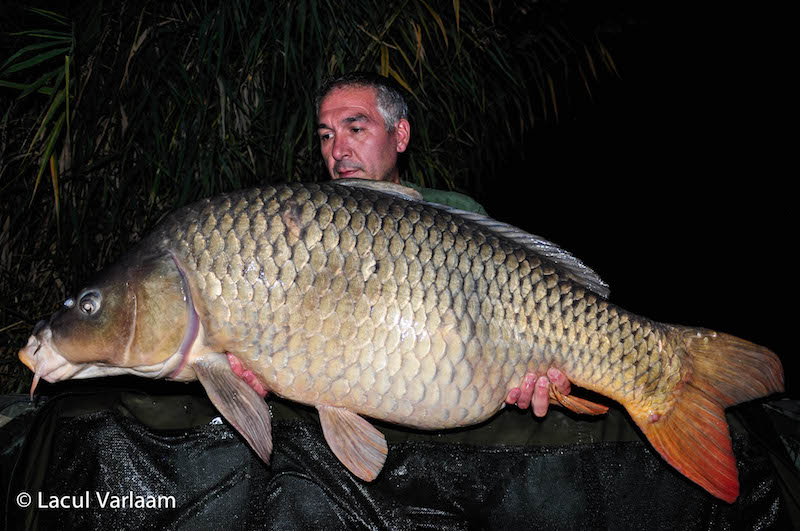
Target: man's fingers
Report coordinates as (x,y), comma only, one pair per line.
(521,396)
(559,380)
(526,391)
(513,395)
(541,396)
(535,391)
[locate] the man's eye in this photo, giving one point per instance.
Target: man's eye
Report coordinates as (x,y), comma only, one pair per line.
(356,129)
(324,136)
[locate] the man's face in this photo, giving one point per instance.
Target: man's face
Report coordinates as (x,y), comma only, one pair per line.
(353,137)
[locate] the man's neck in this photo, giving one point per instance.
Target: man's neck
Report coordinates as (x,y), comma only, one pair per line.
(392,176)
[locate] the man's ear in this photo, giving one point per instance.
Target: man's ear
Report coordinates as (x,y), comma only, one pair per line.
(402,133)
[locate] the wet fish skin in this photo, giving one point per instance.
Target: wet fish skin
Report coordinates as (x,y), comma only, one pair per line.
(362,302)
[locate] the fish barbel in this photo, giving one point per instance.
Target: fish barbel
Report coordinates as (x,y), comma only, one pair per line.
(360,299)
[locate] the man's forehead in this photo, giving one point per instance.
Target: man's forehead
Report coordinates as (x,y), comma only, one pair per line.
(350,104)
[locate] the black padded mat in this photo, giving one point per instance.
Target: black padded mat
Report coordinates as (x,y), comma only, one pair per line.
(93,447)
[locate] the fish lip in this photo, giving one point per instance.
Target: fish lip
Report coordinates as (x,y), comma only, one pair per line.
(25,356)
(43,359)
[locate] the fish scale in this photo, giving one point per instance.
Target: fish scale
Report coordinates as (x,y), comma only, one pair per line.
(360,299)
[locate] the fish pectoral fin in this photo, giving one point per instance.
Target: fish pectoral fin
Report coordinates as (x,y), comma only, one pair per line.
(239,403)
(576,404)
(354,441)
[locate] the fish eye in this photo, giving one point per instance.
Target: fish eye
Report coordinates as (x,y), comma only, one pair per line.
(90,302)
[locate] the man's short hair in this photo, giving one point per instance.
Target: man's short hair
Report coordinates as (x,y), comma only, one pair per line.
(390,99)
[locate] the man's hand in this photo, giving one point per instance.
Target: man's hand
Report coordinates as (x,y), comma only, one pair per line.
(536,391)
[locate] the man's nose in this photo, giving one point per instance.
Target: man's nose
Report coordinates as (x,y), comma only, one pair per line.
(341,148)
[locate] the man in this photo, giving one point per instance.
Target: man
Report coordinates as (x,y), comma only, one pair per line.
(363,127)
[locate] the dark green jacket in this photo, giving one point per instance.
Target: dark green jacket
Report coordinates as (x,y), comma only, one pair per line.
(445,197)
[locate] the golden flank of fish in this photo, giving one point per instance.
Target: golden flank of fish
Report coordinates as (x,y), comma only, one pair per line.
(360,299)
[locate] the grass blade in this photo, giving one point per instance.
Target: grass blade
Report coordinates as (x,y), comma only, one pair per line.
(34,61)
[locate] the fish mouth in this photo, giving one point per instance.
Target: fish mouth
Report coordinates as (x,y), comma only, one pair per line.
(45,362)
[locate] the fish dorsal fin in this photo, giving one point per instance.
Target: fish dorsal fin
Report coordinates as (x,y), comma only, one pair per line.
(576,269)
(354,441)
(244,408)
(386,187)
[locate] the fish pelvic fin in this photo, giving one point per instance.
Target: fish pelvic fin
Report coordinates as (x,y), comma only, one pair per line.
(238,402)
(693,435)
(357,444)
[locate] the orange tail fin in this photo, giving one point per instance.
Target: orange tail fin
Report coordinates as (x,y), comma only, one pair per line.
(693,435)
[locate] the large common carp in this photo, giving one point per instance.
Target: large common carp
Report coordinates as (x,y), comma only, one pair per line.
(360,299)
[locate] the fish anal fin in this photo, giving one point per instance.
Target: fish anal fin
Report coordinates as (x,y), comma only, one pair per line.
(354,441)
(238,402)
(576,403)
